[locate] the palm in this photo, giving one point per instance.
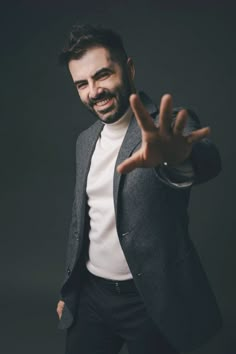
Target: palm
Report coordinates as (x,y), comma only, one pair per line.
(162,143)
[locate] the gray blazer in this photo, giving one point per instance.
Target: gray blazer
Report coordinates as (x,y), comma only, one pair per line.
(152,225)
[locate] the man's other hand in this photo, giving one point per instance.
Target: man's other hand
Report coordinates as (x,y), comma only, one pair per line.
(60,307)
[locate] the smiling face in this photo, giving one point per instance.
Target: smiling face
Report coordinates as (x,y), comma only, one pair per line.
(104,86)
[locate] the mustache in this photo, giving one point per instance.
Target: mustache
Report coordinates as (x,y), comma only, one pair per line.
(101,96)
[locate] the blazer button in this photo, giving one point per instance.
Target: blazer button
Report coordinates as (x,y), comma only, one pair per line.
(76,236)
(68,271)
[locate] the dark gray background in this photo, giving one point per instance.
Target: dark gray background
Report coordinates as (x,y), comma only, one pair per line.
(185,48)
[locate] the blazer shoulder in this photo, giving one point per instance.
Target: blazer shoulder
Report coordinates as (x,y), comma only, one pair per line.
(87,133)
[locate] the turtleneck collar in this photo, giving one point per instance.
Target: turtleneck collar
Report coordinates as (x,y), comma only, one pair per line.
(117,129)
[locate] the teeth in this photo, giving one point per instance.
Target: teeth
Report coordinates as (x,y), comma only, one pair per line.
(101,103)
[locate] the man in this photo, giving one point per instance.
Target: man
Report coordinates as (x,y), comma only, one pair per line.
(132,272)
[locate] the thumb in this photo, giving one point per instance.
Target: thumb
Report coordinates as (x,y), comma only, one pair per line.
(130,164)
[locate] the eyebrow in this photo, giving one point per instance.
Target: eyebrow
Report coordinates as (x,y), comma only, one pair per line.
(94,76)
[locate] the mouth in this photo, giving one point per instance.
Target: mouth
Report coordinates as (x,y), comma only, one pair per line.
(104,103)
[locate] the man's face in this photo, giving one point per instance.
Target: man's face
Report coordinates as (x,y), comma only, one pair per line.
(103,85)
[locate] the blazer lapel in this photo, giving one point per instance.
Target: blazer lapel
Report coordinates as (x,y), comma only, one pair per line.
(87,146)
(130,142)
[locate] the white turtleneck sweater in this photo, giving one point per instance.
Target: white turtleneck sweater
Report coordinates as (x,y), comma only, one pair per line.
(106,258)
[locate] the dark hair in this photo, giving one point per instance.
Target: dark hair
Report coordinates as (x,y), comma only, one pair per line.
(83,37)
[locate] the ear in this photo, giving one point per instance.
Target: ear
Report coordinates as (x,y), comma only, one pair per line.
(131,69)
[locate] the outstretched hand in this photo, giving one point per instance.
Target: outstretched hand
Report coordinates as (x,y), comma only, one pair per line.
(164,142)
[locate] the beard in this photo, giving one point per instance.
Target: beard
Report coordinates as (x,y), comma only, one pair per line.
(113,113)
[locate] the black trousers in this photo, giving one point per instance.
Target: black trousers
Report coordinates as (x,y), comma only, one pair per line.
(110,314)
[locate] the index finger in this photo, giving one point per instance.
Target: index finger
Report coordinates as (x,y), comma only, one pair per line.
(143,118)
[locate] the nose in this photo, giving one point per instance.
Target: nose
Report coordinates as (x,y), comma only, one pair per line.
(94,90)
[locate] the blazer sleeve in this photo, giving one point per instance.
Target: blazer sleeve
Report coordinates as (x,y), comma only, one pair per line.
(72,234)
